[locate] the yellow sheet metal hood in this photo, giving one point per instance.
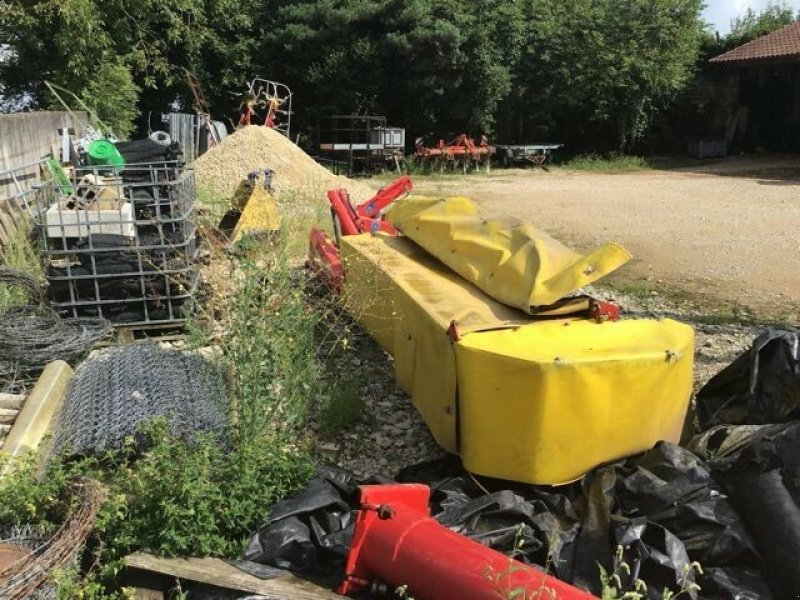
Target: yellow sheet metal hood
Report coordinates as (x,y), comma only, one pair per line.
(511,261)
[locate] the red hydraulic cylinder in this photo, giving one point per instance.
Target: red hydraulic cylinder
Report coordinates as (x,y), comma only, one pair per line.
(398,543)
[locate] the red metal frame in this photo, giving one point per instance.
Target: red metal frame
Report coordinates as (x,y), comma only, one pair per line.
(323,259)
(323,253)
(367,216)
(398,543)
(461,145)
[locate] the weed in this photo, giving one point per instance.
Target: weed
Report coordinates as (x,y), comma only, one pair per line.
(20,253)
(341,406)
(607,164)
(501,580)
(619,585)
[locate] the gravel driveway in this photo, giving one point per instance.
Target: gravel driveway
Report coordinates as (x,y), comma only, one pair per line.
(729,231)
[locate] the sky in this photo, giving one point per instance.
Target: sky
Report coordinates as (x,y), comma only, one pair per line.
(720,12)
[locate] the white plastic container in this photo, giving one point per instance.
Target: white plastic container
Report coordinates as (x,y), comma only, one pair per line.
(62,221)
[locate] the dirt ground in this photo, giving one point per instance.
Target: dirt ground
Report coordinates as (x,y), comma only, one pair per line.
(727,232)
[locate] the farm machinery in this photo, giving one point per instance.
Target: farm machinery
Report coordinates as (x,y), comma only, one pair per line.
(509,364)
(276,100)
(461,153)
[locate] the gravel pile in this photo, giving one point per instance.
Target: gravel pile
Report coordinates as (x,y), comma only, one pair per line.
(299,179)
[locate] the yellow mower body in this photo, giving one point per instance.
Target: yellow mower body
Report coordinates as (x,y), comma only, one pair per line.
(539,401)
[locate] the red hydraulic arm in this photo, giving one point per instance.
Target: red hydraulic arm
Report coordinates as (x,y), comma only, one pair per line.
(396,542)
(367,216)
(323,254)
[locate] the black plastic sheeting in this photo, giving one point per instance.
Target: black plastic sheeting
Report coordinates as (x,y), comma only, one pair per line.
(761,387)
(662,507)
(736,513)
(760,468)
(310,532)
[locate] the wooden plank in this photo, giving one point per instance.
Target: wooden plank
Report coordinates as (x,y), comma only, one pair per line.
(216,572)
(145,594)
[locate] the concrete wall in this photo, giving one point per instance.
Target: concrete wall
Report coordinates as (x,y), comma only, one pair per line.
(24,139)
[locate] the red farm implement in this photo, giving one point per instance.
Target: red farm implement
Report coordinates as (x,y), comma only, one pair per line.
(461,153)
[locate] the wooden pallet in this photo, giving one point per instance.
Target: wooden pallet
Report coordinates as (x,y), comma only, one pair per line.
(129,334)
(153,577)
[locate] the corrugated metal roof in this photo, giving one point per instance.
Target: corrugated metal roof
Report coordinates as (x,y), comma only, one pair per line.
(783,43)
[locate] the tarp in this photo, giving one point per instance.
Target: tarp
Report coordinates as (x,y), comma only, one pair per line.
(760,469)
(762,386)
(406,300)
(512,261)
(662,507)
(546,402)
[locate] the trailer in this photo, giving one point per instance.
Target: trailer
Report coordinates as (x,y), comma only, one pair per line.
(539,155)
(361,143)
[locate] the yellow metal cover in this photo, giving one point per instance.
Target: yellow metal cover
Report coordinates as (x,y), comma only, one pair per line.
(547,402)
(254,211)
(407,300)
(508,259)
(531,400)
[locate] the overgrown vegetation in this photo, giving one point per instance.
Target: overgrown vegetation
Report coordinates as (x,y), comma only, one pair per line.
(113,95)
(19,253)
(609,163)
(204,498)
(752,23)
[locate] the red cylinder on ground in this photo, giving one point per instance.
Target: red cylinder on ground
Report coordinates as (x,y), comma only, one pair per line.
(397,542)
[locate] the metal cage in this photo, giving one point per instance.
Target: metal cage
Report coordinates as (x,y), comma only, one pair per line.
(121,246)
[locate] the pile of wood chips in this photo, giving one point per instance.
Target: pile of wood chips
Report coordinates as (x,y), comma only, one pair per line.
(299,180)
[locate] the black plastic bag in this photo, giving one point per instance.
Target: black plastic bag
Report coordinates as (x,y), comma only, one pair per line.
(760,387)
(760,467)
(311,531)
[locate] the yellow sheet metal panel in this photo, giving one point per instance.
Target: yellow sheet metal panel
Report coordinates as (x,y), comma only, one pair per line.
(547,402)
(510,260)
(382,291)
(253,211)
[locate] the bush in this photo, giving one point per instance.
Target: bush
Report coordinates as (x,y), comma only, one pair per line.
(114,96)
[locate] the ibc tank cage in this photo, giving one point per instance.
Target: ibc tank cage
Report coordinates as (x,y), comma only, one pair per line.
(121,246)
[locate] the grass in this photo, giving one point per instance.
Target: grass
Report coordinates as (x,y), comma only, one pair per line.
(699,309)
(341,406)
(205,498)
(20,253)
(612,163)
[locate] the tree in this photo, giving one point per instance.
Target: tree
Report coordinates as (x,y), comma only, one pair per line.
(113,95)
(593,72)
(69,42)
(590,72)
(753,24)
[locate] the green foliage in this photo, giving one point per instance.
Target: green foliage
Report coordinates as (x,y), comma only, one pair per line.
(588,72)
(177,498)
(204,497)
(271,342)
(620,585)
(607,164)
(341,406)
(114,96)
(753,24)
(20,252)
(601,69)
(197,499)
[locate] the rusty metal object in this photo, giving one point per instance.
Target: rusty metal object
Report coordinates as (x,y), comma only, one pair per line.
(22,577)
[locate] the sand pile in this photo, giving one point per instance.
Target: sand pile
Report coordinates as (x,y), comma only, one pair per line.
(298,179)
